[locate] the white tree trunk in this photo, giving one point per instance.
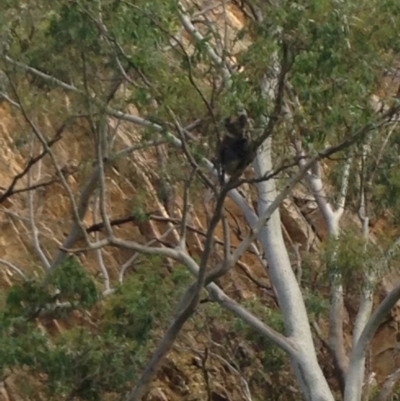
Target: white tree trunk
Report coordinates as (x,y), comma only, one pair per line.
(308,372)
(355,377)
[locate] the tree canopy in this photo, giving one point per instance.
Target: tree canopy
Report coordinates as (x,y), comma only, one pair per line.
(123,236)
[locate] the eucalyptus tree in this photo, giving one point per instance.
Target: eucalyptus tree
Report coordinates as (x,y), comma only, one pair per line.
(304,73)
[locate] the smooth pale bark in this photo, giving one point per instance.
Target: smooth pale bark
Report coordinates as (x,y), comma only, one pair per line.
(386,391)
(332,219)
(367,292)
(369,276)
(355,376)
(305,364)
(336,311)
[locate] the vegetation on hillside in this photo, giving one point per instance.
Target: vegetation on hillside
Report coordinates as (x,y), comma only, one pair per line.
(133,243)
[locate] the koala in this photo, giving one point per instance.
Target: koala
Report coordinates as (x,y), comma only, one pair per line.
(236,127)
(235,149)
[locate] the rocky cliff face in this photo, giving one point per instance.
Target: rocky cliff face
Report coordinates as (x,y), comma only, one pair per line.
(134,183)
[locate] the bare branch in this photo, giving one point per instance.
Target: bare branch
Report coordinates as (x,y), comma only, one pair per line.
(386,390)
(99,256)
(129,262)
(64,182)
(355,374)
(32,161)
(101,138)
(35,233)
(40,74)
(14,268)
(75,233)
(217,60)
(185,212)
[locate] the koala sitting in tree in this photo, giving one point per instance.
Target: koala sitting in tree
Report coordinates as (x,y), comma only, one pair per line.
(235,149)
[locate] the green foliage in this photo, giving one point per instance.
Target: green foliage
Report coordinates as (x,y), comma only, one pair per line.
(89,362)
(139,214)
(138,305)
(385,193)
(346,254)
(316,305)
(75,284)
(21,343)
(26,299)
(143,302)
(86,365)
(350,257)
(259,360)
(271,357)
(72,283)
(336,53)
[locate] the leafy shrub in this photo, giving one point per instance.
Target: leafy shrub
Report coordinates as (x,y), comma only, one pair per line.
(70,282)
(87,362)
(269,354)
